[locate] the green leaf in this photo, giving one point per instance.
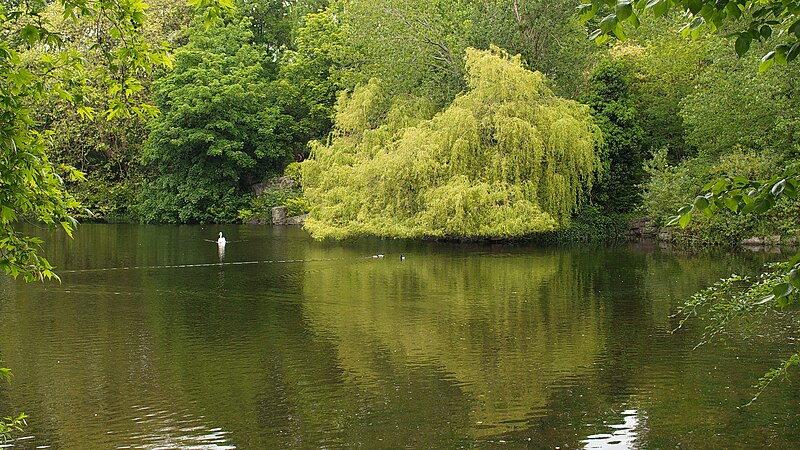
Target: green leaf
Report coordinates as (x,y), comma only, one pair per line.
(673,220)
(733,9)
(740,181)
(778,188)
(609,23)
(731,204)
(743,44)
(7,215)
(766,62)
(718,187)
(695,6)
(782,290)
(624,9)
(766,31)
(587,11)
(660,8)
(793,52)
(30,34)
(619,32)
(696,24)
(684,219)
(795,28)
(795,259)
(780,54)
(794,278)
(701,203)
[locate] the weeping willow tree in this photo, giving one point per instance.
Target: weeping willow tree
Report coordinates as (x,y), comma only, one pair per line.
(507,158)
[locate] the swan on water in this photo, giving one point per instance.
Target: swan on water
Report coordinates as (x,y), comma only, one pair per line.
(221,240)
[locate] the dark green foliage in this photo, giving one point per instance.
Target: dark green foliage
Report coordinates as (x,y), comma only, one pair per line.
(215,136)
(621,153)
(590,224)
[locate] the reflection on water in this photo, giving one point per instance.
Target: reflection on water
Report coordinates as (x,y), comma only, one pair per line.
(622,436)
(292,343)
(175,431)
(221,251)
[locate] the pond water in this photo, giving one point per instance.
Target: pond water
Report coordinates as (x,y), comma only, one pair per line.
(156,340)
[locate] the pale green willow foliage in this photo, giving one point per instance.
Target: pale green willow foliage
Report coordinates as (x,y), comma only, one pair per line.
(506,159)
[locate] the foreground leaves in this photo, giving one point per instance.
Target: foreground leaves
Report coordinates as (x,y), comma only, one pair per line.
(775,293)
(756,20)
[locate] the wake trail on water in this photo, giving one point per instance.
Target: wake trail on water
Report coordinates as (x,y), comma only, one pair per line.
(219,264)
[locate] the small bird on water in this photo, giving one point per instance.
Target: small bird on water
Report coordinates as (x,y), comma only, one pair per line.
(221,240)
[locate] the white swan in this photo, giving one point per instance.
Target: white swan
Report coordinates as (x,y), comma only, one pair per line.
(221,240)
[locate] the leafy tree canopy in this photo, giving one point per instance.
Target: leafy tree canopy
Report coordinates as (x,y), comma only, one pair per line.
(775,21)
(506,158)
(414,46)
(215,137)
(32,186)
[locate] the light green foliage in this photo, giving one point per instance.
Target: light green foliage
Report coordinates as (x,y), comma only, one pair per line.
(32,187)
(761,20)
(741,301)
(9,425)
(295,172)
(505,159)
(669,186)
(664,68)
(215,137)
(733,105)
(742,124)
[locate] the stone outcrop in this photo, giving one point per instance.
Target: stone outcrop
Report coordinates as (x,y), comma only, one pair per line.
(642,228)
(766,241)
(279,217)
(283,182)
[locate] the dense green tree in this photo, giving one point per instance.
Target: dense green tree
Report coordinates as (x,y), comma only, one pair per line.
(215,136)
(621,152)
(664,69)
(506,158)
(32,187)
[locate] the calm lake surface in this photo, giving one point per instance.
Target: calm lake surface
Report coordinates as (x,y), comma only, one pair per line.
(149,342)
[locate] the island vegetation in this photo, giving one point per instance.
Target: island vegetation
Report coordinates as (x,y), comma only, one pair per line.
(424,119)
